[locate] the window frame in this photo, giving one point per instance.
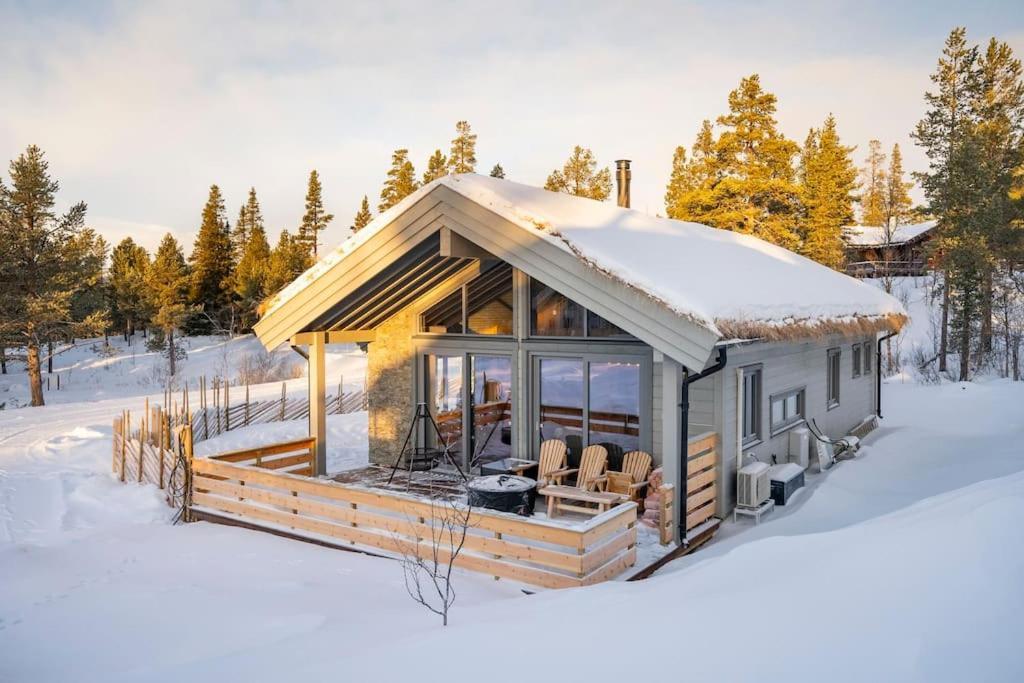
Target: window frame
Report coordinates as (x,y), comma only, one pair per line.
(586,336)
(865,365)
(833,381)
(757,421)
(463,290)
(855,361)
(780,427)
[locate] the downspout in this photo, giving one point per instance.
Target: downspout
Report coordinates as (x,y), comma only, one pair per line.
(684,431)
(878,373)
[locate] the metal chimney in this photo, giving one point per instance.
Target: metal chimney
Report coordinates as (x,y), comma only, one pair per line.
(622,177)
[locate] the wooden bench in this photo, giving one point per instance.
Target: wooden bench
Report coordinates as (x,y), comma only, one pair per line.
(557,495)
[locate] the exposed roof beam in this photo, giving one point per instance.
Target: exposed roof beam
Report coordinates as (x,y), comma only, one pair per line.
(337,337)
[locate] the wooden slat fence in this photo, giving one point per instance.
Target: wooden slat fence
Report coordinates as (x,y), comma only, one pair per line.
(701,476)
(149,453)
(534,552)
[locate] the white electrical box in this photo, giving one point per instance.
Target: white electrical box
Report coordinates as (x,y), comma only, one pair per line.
(800,446)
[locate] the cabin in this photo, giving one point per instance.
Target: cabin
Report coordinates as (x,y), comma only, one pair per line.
(515,315)
(873,251)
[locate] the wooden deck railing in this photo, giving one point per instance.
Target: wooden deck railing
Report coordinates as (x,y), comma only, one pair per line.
(294,457)
(535,552)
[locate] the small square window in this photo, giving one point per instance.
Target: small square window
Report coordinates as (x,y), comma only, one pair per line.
(787,409)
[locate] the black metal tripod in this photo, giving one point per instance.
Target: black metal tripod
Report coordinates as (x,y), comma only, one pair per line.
(421,413)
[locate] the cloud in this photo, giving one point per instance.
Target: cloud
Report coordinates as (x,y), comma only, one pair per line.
(141,107)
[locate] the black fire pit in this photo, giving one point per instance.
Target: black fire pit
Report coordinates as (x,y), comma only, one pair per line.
(421,459)
(502,492)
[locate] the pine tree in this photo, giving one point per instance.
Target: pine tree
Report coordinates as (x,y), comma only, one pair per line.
(87,252)
(363,216)
(828,179)
(497,171)
(462,157)
(744,180)
(251,275)
(167,289)
(944,133)
(129,264)
(872,201)
(211,264)
(316,218)
(580,177)
(288,260)
(437,167)
(249,216)
(39,271)
(896,203)
(401,181)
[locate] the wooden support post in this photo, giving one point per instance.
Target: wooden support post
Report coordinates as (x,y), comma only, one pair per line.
(283,400)
(317,410)
(246,405)
(124,437)
(227,407)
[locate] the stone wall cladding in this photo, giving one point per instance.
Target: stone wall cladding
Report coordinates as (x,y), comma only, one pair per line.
(389,377)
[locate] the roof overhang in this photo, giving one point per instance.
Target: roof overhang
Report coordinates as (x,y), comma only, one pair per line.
(430,241)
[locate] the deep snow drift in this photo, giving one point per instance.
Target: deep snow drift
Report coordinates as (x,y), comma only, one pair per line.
(903,564)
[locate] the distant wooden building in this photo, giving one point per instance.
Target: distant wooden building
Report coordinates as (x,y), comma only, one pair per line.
(870,252)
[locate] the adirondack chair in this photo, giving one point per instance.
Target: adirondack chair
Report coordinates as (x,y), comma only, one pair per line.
(631,481)
(592,463)
(553,457)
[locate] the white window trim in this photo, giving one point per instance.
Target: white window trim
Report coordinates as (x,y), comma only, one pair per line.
(757,436)
(785,427)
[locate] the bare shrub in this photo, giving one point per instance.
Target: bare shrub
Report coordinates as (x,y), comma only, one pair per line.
(262,367)
(427,565)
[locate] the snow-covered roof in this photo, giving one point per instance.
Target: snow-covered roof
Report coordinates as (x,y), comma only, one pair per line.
(874,235)
(732,284)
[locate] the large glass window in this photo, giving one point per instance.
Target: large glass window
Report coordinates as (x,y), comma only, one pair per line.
(614,416)
(489,302)
(492,408)
(787,409)
(446,400)
(482,306)
(561,401)
(751,405)
(833,378)
(554,314)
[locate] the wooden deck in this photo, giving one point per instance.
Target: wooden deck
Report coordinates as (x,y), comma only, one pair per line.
(433,483)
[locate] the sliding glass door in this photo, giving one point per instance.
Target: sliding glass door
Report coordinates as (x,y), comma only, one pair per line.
(589,400)
(491,415)
(445,391)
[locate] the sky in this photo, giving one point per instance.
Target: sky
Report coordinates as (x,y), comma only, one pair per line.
(140,107)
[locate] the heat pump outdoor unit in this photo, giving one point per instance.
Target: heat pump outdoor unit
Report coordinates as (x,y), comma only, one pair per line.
(752,485)
(800,446)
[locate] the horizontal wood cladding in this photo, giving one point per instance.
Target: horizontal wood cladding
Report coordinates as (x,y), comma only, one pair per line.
(500,545)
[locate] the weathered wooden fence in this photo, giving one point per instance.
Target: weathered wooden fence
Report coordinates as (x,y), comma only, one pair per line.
(216,415)
(154,452)
(535,552)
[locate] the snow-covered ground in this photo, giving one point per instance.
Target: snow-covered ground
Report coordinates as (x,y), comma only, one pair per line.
(90,372)
(903,564)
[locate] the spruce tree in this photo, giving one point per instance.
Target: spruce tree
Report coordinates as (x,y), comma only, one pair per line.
(462,157)
(363,216)
(316,218)
(692,181)
(288,260)
(828,179)
(211,264)
(401,180)
(249,216)
(497,171)
(39,265)
(437,167)
(129,263)
(580,176)
(872,201)
(167,289)
(251,276)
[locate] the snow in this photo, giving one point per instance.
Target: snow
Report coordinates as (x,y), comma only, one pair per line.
(874,236)
(903,563)
(88,372)
(347,446)
(670,261)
